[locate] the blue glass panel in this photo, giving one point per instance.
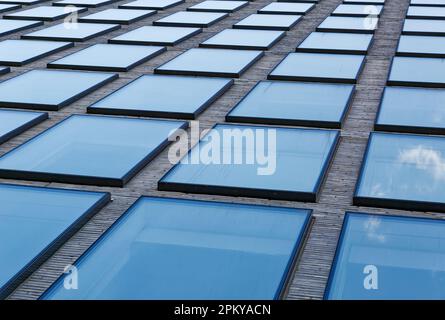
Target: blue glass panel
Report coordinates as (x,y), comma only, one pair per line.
(50,89)
(424,27)
(425,72)
(45,13)
(319,67)
(20,52)
(330,42)
(70,31)
(428,3)
(180,249)
(155,35)
(404,255)
(8,7)
(402,170)
(151,4)
(287,8)
(412,110)
(11,26)
(426,12)
(191,19)
(268,22)
(349,24)
(299,153)
(35,221)
(364,1)
(108,57)
(211,62)
(218,6)
(294,103)
(26,2)
(421,46)
(4,70)
(83,3)
(357,10)
(14,122)
(89,149)
(244,39)
(121,16)
(151,95)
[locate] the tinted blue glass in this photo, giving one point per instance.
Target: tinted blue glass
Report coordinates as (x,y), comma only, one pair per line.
(244,39)
(287,8)
(50,89)
(163,95)
(122,16)
(418,71)
(349,24)
(83,3)
(19,52)
(8,7)
(406,252)
(294,102)
(179,249)
(421,46)
(14,122)
(111,57)
(424,27)
(336,42)
(218,6)
(319,67)
(358,10)
(218,62)
(27,2)
(404,167)
(426,12)
(156,35)
(364,1)
(10,26)
(428,2)
(268,21)
(191,19)
(298,153)
(151,4)
(48,13)
(91,146)
(412,107)
(32,218)
(72,31)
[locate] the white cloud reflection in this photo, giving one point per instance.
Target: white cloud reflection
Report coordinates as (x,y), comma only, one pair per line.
(425,159)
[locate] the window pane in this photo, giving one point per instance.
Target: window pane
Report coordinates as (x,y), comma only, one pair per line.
(424,27)
(405,254)
(11,26)
(21,52)
(191,19)
(424,72)
(32,220)
(416,110)
(89,150)
(119,16)
(268,22)
(349,24)
(218,6)
(319,67)
(403,171)
(154,35)
(330,42)
(300,153)
(426,12)
(83,3)
(13,123)
(211,62)
(294,103)
(71,31)
(151,4)
(421,46)
(357,10)
(244,39)
(8,7)
(26,2)
(287,8)
(45,13)
(364,1)
(427,2)
(50,89)
(151,96)
(246,249)
(108,57)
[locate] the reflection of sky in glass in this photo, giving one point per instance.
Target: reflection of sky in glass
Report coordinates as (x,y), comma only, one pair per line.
(407,167)
(409,255)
